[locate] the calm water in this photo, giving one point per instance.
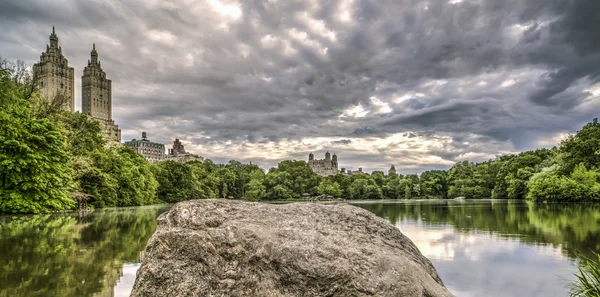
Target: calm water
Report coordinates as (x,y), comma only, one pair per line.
(480,248)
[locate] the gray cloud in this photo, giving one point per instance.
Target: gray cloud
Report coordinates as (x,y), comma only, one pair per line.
(472,78)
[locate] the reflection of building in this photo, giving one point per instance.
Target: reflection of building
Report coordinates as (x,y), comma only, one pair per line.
(151,151)
(96,98)
(54,74)
(392,170)
(178,153)
(326,167)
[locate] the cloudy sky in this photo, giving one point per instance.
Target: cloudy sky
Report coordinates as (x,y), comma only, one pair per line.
(416,83)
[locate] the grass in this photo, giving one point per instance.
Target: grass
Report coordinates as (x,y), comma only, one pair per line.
(587,282)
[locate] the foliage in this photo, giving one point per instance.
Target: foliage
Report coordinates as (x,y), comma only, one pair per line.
(587,283)
(582,147)
(34,171)
(549,185)
(328,187)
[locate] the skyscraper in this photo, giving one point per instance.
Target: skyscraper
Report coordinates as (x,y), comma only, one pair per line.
(96,97)
(54,75)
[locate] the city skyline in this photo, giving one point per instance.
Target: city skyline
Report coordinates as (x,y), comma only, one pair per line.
(259,83)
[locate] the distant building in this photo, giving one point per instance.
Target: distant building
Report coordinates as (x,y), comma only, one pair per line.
(96,98)
(178,153)
(54,74)
(178,148)
(151,151)
(392,170)
(326,167)
(359,172)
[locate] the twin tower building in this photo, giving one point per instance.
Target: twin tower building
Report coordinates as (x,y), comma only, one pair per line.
(56,78)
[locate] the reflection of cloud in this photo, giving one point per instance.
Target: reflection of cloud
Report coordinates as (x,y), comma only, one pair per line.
(125,284)
(484,264)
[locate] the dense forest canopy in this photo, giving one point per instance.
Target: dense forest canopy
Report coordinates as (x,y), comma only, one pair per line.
(47,155)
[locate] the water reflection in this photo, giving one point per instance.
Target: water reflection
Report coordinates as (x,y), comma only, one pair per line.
(480,248)
(499,248)
(571,227)
(65,255)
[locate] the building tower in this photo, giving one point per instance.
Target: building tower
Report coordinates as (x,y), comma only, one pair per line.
(334,162)
(96,97)
(311,157)
(327,156)
(392,170)
(178,148)
(54,75)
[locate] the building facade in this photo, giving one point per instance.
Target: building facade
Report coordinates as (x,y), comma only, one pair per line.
(325,167)
(178,153)
(151,151)
(55,77)
(356,172)
(96,97)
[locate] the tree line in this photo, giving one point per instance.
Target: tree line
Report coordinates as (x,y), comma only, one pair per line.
(48,155)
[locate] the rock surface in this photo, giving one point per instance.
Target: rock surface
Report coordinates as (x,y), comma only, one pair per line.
(233,248)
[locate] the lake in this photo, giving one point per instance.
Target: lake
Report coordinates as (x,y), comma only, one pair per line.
(479,247)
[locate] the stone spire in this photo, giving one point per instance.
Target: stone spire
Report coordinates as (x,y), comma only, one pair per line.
(53,39)
(392,169)
(94,54)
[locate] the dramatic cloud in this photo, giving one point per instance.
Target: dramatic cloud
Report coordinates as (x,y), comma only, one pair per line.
(420,84)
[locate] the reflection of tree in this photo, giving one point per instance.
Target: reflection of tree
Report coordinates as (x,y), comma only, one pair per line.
(575,227)
(53,255)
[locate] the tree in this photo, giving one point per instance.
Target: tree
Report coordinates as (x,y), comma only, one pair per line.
(583,147)
(33,158)
(434,183)
(256,189)
(329,188)
(175,182)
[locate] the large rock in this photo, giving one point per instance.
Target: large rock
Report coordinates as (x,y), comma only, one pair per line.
(231,248)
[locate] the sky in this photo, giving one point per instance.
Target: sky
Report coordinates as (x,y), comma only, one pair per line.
(414,83)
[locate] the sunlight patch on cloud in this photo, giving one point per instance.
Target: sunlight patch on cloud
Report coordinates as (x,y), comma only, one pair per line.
(357,111)
(305,38)
(318,27)
(162,36)
(508,83)
(594,90)
(553,140)
(408,96)
(380,106)
(472,156)
(232,11)
(345,11)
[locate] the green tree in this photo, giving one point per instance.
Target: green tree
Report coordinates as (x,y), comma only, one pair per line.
(35,175)
(175,182)
(329,188)
(582,147)
(434,183)
(256,189)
